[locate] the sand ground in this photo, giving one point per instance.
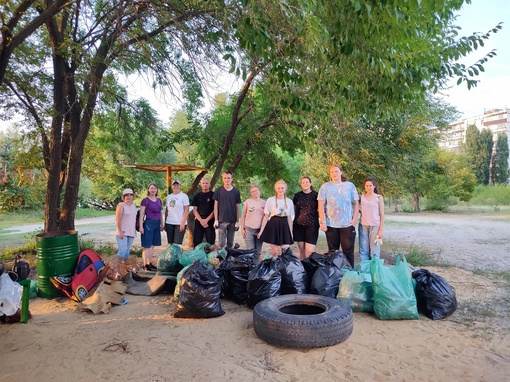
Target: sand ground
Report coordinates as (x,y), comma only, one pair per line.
(142,341)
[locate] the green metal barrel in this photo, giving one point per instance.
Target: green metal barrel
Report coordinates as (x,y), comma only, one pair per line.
(57,254)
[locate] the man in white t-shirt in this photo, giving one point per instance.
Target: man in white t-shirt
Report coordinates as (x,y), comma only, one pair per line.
(176,214)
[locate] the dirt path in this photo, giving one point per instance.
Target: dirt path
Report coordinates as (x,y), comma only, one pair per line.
(468,241)
(465,240)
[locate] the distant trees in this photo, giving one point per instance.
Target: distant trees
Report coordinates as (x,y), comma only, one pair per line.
(499,173)
(489,162)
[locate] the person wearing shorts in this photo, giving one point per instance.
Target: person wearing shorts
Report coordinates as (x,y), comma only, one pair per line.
(151,225)
(306,222)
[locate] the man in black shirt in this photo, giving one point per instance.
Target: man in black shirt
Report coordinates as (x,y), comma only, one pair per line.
(203,209)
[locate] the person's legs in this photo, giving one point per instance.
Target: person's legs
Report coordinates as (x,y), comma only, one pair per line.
(123,246)
(210,233)
(222,233)
(364,246)
(375,250)
(347,240)
(150,238)
(275,250)
(130,240)
(178,234)
(251,236)
(333,239)
(170,233)
(230,235)
(311,237)
(198,234)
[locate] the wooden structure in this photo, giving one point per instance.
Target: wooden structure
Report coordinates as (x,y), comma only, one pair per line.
(168,168)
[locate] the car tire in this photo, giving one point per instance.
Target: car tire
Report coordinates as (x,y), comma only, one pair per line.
(303,321)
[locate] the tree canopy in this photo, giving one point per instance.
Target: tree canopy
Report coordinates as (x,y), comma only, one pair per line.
(320,66)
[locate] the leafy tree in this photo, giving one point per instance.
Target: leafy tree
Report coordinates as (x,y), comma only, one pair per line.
(473,150)
(486,145)
(448,174)
(499,170)
(478,147)
(369,59)
(26,17)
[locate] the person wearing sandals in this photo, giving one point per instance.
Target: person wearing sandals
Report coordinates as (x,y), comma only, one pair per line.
(306,222)
(125,217)
(276,228)
(338,202)
(151,225)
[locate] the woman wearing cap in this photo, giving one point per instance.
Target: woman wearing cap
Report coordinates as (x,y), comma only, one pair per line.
(176,214)
(125,217)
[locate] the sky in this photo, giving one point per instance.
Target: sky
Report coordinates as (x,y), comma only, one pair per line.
(492,92)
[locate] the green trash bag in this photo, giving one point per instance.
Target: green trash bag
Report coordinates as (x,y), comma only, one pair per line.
(356,290)
(177,290)
(190,256)
(168,260)
(394,297)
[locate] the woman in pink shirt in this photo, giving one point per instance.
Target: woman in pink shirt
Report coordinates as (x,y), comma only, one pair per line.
(251,219)
(372,221)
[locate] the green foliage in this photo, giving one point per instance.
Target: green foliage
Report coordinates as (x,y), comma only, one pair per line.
(499,169)
(448,174)
(478,147)
(498,194)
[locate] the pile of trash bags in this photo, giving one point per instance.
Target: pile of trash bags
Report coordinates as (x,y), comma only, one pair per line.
(391,292)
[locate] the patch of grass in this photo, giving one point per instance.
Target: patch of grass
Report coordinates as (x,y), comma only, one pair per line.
(500,276)
(415,256)
(394,223)
(9,219)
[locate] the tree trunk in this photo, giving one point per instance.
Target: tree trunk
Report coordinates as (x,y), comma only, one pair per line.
(416,201)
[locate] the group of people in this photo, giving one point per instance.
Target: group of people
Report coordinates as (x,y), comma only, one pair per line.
(278,221)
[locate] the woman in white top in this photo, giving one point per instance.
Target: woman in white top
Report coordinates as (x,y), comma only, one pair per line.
(251,219)
(372,221)
(176,214)
(276,227)
(125,218)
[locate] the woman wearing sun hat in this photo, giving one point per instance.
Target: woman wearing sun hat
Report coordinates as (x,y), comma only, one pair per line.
(125,217)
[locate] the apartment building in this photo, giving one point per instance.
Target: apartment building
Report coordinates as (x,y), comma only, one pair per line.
(497,120)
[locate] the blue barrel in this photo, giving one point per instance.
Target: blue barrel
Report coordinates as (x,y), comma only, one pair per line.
(57,255)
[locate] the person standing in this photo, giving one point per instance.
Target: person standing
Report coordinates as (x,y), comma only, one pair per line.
(176,214)
(227,201)
(125,218)
(251,219)
(203,211)
(372,221)
(338,202)
(306,222)
(151,225)
(276,226)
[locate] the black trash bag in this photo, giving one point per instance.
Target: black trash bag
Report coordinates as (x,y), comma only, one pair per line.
(339,260)
(264,281)
(317,260)
(311,263)
(199,297)
(294,275)
(326,280)
(244,253)
(234,272)
(436,298)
